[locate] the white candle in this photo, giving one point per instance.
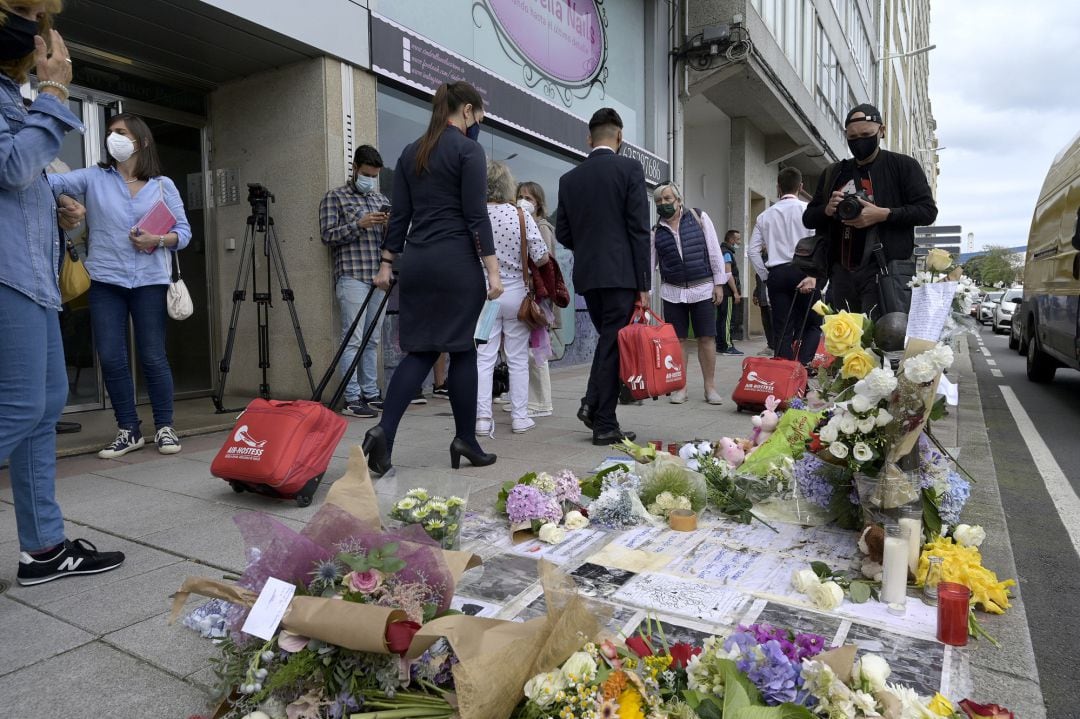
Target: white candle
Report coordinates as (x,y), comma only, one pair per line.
(894,566)
(914,528)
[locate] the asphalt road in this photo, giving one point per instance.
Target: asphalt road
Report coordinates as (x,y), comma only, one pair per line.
(1046,560)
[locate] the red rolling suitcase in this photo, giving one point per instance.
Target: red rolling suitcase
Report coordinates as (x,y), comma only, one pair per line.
(763,377)
(650,356)
(280,449)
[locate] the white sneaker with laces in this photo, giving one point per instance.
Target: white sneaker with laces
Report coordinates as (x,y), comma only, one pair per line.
(521,426)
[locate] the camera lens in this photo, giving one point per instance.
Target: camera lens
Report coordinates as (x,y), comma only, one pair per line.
(849,208)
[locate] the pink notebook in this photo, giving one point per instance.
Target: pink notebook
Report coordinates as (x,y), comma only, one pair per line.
(158,220)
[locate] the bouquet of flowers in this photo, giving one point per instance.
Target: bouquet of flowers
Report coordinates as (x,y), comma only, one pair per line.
(666,486)
(539,502)
(439,516)
(619,502)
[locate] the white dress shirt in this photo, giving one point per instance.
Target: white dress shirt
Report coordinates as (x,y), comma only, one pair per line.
(778,230)
(702,290)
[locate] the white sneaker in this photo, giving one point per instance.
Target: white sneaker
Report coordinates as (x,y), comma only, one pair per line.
(507,407)
(521,426)
(678,396)
(485,428)
(714,397)
(540,412)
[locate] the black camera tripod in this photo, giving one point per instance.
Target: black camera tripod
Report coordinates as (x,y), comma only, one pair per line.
(260,222)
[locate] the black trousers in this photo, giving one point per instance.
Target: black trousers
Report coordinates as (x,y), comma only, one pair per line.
(789,309)
(855,290)
(609,310)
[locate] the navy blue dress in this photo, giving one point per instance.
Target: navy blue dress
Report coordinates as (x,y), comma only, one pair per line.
(440,229)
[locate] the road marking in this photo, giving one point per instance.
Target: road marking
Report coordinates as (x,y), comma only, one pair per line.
(991,363)
(1061,492)
(986,352)
(996,373)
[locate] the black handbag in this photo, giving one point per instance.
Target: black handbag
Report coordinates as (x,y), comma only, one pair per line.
(893,277)
(812,256)
(500,379)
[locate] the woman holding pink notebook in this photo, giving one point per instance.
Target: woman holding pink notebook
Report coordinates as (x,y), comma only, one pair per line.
(137,221)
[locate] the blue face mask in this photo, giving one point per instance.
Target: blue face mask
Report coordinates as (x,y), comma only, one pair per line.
(364,184)
(473,131)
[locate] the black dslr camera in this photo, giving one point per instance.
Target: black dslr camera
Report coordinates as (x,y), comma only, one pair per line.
(849,207)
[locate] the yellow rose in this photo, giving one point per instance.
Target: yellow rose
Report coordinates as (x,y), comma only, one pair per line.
(843,333)
(938,260)
(857,364)
(941,706)
(822,309)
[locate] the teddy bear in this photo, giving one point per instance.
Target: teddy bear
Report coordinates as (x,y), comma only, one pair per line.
(766,422)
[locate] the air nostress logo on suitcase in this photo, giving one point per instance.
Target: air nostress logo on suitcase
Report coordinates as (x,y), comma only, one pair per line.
(252,450)
(675,372)
(757,383)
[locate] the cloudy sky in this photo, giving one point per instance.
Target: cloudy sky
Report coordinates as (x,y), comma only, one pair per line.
(1006,97)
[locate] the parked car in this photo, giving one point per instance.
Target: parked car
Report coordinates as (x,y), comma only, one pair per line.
(1049,317)
(986,307)
(1016,329)
(1003,311)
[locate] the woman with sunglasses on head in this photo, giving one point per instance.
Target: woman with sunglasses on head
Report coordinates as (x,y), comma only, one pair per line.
(440,243)
(33,378)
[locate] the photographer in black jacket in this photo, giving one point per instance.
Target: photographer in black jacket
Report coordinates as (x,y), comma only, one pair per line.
(869,208)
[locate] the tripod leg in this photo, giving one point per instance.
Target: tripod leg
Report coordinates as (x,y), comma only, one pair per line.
(340,391)
(287,295)
(317,395)
(247,260)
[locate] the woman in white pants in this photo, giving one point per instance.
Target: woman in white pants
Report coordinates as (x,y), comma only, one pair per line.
(508,333)
(530,197)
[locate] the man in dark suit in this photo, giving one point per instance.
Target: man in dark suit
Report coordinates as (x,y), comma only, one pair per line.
(603,219)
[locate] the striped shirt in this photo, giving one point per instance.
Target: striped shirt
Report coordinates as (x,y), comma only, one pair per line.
(355,250)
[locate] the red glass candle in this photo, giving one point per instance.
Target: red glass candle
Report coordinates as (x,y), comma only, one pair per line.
(952,613)
(673,448)
(657,444)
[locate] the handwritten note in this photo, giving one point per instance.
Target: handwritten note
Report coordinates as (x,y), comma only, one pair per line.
(266,614)
(930,307)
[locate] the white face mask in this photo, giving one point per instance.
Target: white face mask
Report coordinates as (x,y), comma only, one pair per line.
(527,206)
(120,147)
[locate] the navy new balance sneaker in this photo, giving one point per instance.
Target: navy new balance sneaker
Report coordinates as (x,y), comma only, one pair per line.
(71,558)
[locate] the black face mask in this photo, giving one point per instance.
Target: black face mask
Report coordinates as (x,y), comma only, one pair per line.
(863,147)
(666,210)
(17,37)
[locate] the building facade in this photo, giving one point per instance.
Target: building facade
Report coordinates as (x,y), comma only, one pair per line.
(240,92)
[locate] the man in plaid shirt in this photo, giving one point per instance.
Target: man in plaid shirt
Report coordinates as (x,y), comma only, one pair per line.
(352,225)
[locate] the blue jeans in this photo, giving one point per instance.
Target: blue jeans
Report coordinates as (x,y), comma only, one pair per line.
(33,390)
(110,306)
(350,295)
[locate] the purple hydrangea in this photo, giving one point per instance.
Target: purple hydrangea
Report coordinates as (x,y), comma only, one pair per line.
(813,478)
(777,677)
(796,403)
(567,487)
(526,503)
(796,647)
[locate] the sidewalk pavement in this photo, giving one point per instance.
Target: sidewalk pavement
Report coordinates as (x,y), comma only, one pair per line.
(100,646)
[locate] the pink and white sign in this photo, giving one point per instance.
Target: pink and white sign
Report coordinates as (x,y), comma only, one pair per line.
(564,39)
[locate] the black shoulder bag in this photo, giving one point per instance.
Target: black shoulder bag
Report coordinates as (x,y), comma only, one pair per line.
(811,255)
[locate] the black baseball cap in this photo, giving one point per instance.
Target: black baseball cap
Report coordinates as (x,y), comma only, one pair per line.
(871,113)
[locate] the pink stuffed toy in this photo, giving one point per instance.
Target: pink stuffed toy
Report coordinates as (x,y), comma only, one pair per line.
(730,451)
(765,423)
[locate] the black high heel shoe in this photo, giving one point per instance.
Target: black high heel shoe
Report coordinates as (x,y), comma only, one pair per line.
(459,448)
(376,450)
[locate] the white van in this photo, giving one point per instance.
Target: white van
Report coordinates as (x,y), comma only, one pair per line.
(1048,319)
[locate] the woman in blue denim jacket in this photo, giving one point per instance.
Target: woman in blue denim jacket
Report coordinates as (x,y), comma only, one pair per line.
(33,377)
(129,271)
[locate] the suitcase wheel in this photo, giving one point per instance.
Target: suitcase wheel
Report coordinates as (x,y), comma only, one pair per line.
(307,493)
(303,501)
(237,487)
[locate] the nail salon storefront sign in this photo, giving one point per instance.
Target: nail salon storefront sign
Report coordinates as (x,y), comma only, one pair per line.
(563,41)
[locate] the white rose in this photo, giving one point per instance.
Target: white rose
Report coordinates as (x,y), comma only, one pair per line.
(828,433)
(575,520)
(969,535)
(862,452)
(920,369)
(848,425)
(872,671)
(551,533)
(938,260)
(866,426)
(838,450)
(861,403)
(883,417)
(827,595)
(942,356)
(804,580)
(543,688)
(579,668)
(257,715)
(879,383)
